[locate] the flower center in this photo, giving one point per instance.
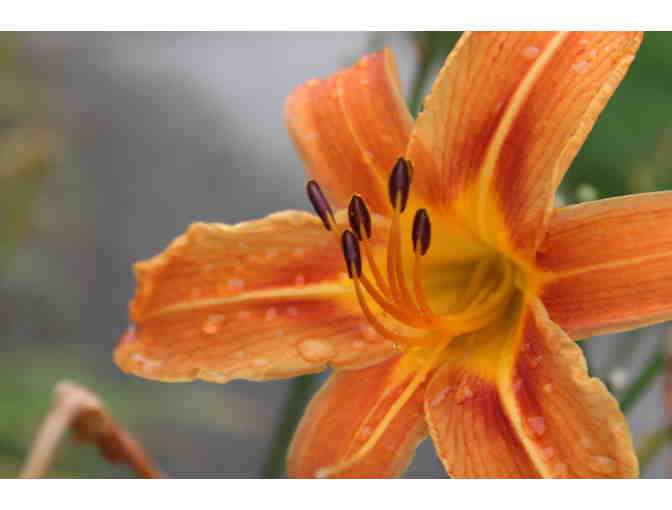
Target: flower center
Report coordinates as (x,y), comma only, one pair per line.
(486,289)
(399,291)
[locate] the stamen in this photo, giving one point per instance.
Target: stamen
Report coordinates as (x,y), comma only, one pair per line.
(392,412)
(320,204)
(400,184)
(353,259)
(359,217)
(422,231)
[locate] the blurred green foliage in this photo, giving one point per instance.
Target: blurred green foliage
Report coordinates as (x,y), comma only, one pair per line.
(28,148)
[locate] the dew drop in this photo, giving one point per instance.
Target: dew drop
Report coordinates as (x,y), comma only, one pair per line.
(293,311)
(368,332)
(271,314)
(316,350)
(260,362)
(464,393)
(534,361)
(299,279)
(535,426)
(298,252)
(581,66)
(358,344)
(235,283)
(586,442)
(518,384)
(530,52)
(241,355)
(440,396)
(243,245)
(547,388)
(365,432)
(279,332)
(560,468)
(525,347)
(603,464)
(244,314)
(211,325)
(547,453)
(583,42)
(272,253)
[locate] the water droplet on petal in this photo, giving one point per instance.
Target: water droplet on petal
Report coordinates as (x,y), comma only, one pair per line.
(441,396)
(548,388)
(534,361)
(530,52)
(261,362)
(293,311)
(517,384)
(365,432)
(586,442)
(244,314)
(271,314)
(271,253)
(358,344)
(299,252)
(581,66)
(316,350)
(560,469)
(235,283)
(279,332)
(464,393)
(241,355)
(547,453)
(602,464)
(535,426)
(211,324)
(299,279)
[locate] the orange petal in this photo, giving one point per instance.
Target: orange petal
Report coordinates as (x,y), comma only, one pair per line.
(611,262)
(350,128)
(258,300)
(345,412)
(505,118)
(537,412)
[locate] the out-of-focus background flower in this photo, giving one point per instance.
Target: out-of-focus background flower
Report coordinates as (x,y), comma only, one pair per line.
(112,143)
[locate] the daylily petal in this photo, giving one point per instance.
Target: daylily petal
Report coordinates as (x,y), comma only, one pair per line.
(537,412)
(350,128)
(344,414)
(258,300)
(505,118)
(608,260)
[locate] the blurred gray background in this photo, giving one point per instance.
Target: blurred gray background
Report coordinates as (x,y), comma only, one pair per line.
(163,129)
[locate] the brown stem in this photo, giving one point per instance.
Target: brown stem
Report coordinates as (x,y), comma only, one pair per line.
(77,408)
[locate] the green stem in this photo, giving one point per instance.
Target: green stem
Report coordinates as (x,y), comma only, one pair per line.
(651,446)
(300,391)
(637,387)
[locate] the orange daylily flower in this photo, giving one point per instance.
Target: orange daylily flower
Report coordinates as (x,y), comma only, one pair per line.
(463,290)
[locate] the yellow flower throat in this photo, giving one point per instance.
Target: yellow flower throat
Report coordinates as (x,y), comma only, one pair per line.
(487,290)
